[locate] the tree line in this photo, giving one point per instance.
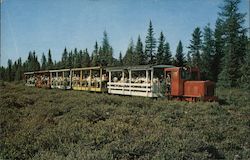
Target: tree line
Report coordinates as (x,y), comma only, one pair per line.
(222,54)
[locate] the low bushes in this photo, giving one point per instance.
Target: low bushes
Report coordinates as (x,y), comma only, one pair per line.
(57,124)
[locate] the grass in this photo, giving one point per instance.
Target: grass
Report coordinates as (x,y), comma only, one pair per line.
(57,124)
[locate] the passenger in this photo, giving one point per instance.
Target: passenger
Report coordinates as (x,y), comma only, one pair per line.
(162,86)
(168,83)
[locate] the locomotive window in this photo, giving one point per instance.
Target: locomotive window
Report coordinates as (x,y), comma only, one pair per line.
(194,76)
(185,74)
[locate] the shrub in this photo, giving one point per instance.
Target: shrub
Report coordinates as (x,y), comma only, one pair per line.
(58,124)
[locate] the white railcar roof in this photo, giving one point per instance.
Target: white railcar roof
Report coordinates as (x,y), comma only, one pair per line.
(26,73)
(59,70)
(86,68)
(138,67)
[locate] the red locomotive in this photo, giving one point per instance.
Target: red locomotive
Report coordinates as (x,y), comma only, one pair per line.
(185,84)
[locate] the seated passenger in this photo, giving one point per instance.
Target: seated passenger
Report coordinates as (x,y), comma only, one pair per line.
(168,83)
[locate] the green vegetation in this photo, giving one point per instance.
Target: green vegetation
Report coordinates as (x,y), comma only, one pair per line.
(207,56)
(235,43)
(129,56)
(195,47)
(179,56)
(57,124)
(150,44)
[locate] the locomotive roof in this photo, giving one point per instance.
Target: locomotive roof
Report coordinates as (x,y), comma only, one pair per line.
(163,66)
(138,67)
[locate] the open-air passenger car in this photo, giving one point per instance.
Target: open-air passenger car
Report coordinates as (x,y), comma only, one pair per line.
(30,79)
(143,80)
(61,79)
(89,79)
(42,79)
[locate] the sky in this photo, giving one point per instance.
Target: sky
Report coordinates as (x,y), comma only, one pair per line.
(28,25)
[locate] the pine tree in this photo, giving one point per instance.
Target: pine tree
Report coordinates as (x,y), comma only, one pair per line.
(207,54)
(95,60)
(195,47)
(233,29)
(128,59)
(78,60)
(219,45)
(70,60)
(55,65)
(44,62)
(35,62)
(85,58)
(245,70)
(120,59)
(29,63)
(100,53)
(150,45)
(74,58)
(160,50)
(110,59)
(50,61)
(106,54)
(167,54)
(139,54)
(179,56)
(64,58)
(32,63)
(19,70)
(189,59)
(9,71)
(14,70)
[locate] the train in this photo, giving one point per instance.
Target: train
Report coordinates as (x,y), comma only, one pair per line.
(180,83)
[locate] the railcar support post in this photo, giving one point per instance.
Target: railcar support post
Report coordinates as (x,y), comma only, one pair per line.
(100,79)
(147,82)
(109,81)
(50,78)
(90,75)
(123,77)
(152,85)
(130,78)
(80,78)
(56,79)
(70,79)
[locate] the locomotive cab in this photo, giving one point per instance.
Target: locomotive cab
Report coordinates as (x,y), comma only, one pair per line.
(185,84)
